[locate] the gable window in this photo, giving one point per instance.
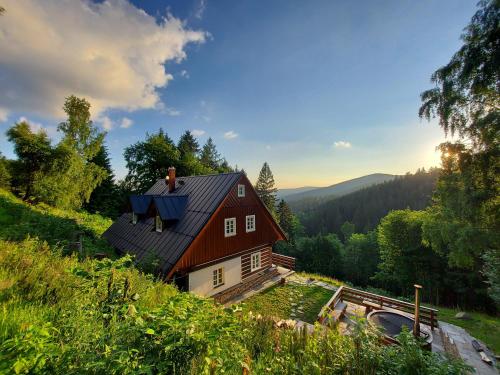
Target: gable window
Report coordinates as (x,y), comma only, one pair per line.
(218,277)
(134,218)
(230,227)
(254,261)
(158,223)
(250,223)
(241,190)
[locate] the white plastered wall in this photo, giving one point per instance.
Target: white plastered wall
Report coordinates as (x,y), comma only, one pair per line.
(201,281)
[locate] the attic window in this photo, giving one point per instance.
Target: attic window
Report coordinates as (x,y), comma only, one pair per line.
(230,227)
(241,190)
(158,223)
(250,223)
(134,218)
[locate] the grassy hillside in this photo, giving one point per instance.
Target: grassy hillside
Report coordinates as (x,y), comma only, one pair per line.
(60,314)
(58,227)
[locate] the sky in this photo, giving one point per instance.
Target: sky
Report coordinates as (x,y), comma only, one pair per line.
(324,91)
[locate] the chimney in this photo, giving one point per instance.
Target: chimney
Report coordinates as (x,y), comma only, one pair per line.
(171,179)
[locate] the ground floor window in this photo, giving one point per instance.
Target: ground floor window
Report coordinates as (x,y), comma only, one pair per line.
(218,277)
(255,261)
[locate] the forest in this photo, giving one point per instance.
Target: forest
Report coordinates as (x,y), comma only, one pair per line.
(365,208)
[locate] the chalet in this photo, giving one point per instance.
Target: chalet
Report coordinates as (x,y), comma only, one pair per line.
(209,234)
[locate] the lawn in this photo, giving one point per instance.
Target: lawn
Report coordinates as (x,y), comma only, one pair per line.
(289,301)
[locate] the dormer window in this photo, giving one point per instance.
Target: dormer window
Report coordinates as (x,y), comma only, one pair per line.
(134,218)
(158,223)
(241,190)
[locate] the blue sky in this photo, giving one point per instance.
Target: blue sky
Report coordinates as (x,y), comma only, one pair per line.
(322,90)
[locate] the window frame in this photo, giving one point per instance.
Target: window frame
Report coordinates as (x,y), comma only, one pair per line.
(226,222)
(257,265)
(158,220)
(218,277)
(253,228)
(241,190)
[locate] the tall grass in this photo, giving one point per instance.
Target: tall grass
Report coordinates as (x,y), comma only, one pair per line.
(62,315)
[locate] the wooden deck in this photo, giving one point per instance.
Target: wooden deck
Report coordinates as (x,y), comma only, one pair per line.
(371,301)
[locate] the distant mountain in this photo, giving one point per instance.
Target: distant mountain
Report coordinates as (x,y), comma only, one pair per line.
(282,193)
(365,207)
(340,189)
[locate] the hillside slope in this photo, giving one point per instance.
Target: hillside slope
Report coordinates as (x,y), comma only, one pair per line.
(341,188)
(58,227)
(62,315)
(365,208)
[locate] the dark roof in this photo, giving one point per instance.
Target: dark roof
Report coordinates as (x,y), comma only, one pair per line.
(140,203)
(201,194)
(171,207)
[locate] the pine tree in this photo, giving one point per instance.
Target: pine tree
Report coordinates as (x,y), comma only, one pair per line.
(104,198)
(188,144)
(265,187)
(209,156)
(286,219)
(4,172)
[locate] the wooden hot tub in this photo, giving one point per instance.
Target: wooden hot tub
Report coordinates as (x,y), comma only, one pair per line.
(391,324)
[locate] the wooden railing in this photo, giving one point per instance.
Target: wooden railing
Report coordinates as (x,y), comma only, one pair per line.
(283,261)
(427,315)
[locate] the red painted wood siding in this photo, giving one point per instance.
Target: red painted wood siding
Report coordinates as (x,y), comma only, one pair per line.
(265,262)
(211,244)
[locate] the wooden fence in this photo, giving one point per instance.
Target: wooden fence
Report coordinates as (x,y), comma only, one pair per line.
(428,315)
(283,261)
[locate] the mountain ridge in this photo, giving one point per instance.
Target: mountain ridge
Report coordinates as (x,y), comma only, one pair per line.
(339,189)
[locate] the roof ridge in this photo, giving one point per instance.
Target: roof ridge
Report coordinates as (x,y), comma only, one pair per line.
(205,175)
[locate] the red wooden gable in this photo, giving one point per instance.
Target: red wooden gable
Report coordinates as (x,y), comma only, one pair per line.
(211,244)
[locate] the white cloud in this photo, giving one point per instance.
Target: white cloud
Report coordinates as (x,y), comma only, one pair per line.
(197,132)
(126,123)
(110,52)
(200,9)
(106,123)
(342,144)
(230,135)
(268,147)
(4,114)
(206,118)
(172,111)
(185,74)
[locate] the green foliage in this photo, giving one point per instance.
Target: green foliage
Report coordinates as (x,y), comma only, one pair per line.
(360,258)
(287,220)
(149,160)
(105,198)
(56,226)
(466,101)
(62,176)
(34,153)
(5,176)
(365,208)
(405,259)
(265,187)
(78,131)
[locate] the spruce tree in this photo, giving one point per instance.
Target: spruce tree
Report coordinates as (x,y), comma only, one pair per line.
(265,188)
(209,156)
(285,218)
(104,198)
(188,144)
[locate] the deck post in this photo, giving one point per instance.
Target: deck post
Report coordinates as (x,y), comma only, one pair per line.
(416,326)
